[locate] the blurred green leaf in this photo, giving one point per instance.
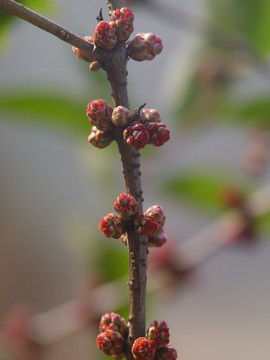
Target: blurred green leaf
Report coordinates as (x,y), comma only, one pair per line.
(248,17)
(201,189)
(46,6)
(263,223)
(112,260)
(46,109)
(253,112)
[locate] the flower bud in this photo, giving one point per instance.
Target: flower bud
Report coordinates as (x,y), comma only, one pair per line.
(159,333)
(83,55)
(139,49)
(113,321)
(99,114)
(105,36)
(126,206)
(122,21)
(145,225)
(145,46)
(158,239)
(111,226)
(158,133)
(136,135)
(99,138)
(143,349)
(151,115)
(110,342)
(121,116)
(166,353)
(158,214)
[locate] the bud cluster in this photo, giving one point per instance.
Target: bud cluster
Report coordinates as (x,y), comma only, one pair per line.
(144,46)
(155,346)
(140,128)
(150,224)
(113,335)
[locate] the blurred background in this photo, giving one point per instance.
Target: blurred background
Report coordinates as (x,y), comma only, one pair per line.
(211,87)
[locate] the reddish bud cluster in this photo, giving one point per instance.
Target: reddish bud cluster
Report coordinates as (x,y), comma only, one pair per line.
(145,46)
(126,206)
(100,139)
(110,342)
(122,21)
(105,35)
(111,226)
(143,349)
(158,133)
(99,114)
(151,115)
(159,333)
(136,135)
(113,334)
(159,238)
(166,353)
(145,225)
(83,55)
(113,321)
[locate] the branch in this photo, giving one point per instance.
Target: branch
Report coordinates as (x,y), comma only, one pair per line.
(16,9)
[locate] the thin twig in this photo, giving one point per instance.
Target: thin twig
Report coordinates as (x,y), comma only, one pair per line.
(16,9)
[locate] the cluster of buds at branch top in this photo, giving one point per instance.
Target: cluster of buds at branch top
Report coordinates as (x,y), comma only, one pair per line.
(145,46)
(139,127)
(155,346)
(150,224)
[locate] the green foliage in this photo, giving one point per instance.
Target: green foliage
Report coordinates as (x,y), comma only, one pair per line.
(46,109)
(247,17)
(204,190)
(263,223)
(6,20)
(255,112)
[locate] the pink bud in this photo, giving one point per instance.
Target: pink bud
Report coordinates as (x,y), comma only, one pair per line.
(100,114)
(158,239)
(105,36)
(166,353)
(122,21)
(151,115)
(158,214)
(121,116)
(113,321)
(83,55)
(159,333)
(99,138)
(158,133)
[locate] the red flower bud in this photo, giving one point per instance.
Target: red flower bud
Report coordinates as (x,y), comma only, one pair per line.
(136,135)
(83,55)
(111,226)
(126,205)
(99,114)
(166,353)
(143,349)
(158,239)
(110,342)
(100,139)
(122,21)
(113,321)
(146,225)
(105,36)
(159,333)
(158,214)
(158,133)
